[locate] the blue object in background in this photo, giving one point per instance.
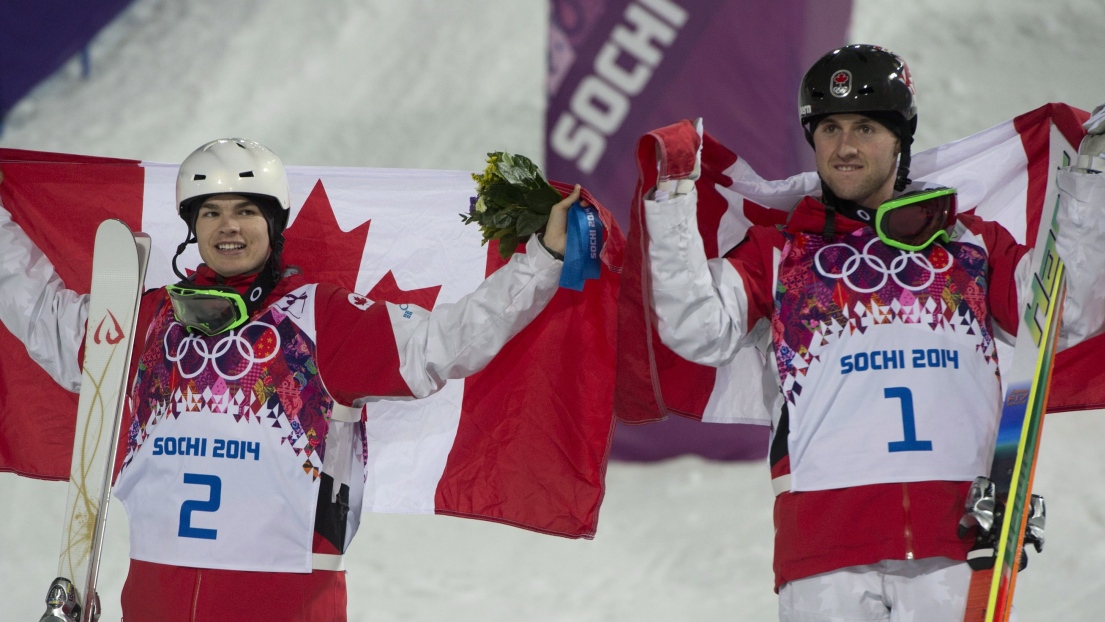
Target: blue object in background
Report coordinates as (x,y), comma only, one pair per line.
(37,37)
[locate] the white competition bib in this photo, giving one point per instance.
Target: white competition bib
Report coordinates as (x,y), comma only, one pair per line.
(211,492)
(225,472)
(896,403)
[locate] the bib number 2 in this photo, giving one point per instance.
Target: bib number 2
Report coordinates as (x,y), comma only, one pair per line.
(910,443)
(214,499)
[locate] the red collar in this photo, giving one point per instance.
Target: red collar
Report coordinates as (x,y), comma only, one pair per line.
(809,217)
(206,276)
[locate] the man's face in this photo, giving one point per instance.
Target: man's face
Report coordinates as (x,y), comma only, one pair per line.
(857,158)
(232,235)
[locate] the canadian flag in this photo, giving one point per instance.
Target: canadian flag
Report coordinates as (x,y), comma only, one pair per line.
(1006,172)
(523,442)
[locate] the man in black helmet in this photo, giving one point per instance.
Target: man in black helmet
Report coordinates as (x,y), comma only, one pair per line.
(877,306)
(864,95)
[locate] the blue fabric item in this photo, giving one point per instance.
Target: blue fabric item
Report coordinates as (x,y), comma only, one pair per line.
(581,252)
(37,38)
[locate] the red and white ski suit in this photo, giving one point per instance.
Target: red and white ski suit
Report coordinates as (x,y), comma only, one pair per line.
(889,391)
(245,452)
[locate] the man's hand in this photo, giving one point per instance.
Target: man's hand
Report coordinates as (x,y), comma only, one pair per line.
(1091,153)
(1,175)
(678,183)
(556,231)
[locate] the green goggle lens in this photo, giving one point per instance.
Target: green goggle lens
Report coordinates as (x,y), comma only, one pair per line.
(915,220)
(209,310)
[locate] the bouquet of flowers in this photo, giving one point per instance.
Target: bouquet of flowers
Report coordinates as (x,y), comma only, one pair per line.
(512,201)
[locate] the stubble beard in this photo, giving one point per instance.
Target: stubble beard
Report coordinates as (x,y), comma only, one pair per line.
(868,188)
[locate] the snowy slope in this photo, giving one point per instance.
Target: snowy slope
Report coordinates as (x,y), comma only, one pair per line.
(435,85)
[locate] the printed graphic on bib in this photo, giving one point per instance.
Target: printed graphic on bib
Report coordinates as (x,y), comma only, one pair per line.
(262,374)
(885,356)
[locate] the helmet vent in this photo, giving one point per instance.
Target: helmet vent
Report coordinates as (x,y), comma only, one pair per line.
(245,174)
(241,145)
(198,177)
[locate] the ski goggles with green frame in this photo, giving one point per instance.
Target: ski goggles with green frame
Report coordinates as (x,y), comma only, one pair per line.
(916,219)
(209,309)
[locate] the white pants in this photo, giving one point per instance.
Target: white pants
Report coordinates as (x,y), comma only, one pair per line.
(921,590)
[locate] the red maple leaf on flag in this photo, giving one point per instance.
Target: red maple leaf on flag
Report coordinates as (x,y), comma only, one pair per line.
(316,244)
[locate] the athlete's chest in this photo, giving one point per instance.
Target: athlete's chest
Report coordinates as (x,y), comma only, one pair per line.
(854,283)
(264,373)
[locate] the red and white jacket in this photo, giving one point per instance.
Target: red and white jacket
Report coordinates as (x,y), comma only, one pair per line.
(888,384)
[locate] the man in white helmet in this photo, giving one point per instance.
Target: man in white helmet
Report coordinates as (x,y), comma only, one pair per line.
(873,448)
(245,456)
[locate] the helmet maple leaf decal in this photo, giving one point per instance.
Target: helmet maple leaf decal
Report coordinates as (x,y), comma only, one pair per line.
(327,254)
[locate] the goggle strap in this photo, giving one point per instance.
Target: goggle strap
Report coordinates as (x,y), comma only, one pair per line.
(263,284)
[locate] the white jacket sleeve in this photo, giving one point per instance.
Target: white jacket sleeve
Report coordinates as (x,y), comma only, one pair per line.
(459,339)
(36,307)
(1081,244)
(701,306)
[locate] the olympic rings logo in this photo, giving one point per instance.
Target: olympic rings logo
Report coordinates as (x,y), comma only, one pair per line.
(877,264)
(233,339)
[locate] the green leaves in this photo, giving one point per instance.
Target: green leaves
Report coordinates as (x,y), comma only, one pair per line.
(513,200)
(528,223)
(541,200)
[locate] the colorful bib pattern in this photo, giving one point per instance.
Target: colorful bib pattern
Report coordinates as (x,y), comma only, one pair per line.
(227,442)
(858,282)
(261,374)
(886,359)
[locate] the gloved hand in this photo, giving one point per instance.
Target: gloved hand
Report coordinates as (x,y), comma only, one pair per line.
(673,182)
(1091,153)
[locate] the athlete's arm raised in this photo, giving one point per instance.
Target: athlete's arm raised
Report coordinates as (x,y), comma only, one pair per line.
(36,307)
(1081,221)
(403,350)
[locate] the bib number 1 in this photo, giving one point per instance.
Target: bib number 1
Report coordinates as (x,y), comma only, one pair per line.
(910,443)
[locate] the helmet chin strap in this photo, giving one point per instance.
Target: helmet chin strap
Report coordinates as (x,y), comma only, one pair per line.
(179,251)
(904,160)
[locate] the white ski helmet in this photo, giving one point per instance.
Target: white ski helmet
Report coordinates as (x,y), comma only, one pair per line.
(232,166)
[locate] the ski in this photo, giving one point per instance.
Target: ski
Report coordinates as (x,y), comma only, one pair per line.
(118,274)
(1004,504)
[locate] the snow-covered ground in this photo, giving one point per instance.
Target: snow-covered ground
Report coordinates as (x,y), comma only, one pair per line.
(435,85)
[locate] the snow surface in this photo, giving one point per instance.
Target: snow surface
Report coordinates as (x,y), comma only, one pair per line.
(435,85)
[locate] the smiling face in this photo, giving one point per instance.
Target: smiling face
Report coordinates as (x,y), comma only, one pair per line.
(232,234)
(857,158)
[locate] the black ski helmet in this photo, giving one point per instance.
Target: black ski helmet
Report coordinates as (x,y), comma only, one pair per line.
(867,80)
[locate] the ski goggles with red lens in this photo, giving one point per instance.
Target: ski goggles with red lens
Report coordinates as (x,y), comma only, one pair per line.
(210,310)
(916,219)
